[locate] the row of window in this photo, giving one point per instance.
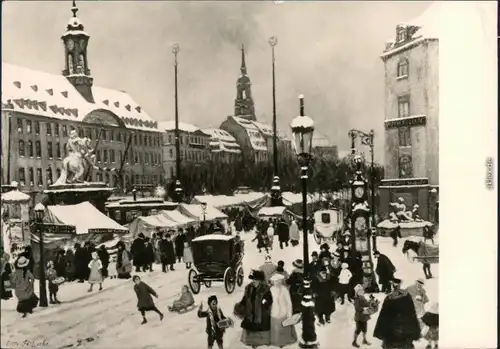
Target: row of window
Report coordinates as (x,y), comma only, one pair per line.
(91,133)
(188,140)
(104,155)
(190,155)
(28,177)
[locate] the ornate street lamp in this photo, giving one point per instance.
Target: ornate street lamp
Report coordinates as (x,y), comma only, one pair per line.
(302,129)
(39,214)
(178,189)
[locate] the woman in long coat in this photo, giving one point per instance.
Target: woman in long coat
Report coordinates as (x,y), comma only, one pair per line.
(70,265)
(23,281)
(280,311)
(294,233)
(255,311)
(187,255)
(296,281)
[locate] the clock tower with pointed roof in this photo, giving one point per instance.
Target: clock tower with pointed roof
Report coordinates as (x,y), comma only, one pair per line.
(243,104)
(76,69)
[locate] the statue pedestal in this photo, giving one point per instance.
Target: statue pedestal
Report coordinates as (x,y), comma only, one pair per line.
(97,193)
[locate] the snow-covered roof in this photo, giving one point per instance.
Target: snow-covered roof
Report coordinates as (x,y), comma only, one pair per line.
(52,95)
(255,135)
(170,125)
(425,26)
(222,141)
(210,237)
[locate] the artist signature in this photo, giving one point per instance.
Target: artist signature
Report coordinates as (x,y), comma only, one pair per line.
(27,343)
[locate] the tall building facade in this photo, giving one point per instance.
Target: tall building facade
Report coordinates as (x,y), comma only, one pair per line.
(223,146)
(39,111)
(411,123)
(194,146)
(255,138)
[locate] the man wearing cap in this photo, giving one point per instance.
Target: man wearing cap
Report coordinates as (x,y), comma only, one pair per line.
(397,324)
(385,271)
(419,296)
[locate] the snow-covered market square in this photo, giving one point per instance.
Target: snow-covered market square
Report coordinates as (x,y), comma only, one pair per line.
(292,202)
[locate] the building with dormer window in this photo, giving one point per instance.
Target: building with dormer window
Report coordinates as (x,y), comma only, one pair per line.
(39,110)
(411,158)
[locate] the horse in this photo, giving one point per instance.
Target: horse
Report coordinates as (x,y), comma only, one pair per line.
(76,167)
(410,245)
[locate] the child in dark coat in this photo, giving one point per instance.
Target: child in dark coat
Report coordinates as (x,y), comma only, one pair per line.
(144,300)
(213,315)
(361,315)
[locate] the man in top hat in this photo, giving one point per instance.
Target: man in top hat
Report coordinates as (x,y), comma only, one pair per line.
(397,324)
(296,283)
(324,251)
(385,271)
(315,263)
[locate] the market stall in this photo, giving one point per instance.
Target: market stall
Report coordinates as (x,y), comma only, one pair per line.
(148,225)
(15,221)
(200,212)
(266,213)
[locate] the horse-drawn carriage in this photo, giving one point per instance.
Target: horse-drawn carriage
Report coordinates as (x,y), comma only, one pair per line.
(327,223)
(216,258)
(425,253)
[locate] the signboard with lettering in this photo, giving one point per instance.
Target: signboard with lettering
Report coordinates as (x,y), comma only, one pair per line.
(59,228)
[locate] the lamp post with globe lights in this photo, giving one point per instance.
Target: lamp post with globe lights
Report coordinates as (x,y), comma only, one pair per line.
(39,214)
(178,187)
(303,129)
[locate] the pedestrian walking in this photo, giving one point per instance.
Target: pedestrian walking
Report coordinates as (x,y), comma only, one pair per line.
(431,329)
(144,298)
(294,233)
(95,276)
(385,271)
(149,255)
(138,251)
(167,253)
(23,283)
(52,278)
(270,235)
(361,315)
(343,285)
(179,245)
(281,309)
(104,258)
(324,296)
(187,255)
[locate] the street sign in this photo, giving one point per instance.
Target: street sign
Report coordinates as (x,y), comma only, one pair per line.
(59,228)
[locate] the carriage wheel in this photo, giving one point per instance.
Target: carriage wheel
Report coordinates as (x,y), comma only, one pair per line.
(240,276)
(229,280)
(194,284)
(317,238)
(208,284)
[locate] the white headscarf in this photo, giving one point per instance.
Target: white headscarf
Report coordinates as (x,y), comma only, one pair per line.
(282,303)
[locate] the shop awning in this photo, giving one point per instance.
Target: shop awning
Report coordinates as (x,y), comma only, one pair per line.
(85,217)
(14,197)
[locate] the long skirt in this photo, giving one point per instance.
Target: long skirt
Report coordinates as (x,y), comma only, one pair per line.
(255,339)
(27,305)
(282,336)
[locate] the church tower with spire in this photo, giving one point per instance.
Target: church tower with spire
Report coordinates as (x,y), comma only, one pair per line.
(76,69)
(243,104)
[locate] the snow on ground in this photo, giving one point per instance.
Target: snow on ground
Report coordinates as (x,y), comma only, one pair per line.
(110,319)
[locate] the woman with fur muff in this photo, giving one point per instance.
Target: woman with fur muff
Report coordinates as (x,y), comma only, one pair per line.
(255,311)
(280,311)
(296,284)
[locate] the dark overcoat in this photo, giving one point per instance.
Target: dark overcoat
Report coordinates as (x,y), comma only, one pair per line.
(255,308)
(144,296)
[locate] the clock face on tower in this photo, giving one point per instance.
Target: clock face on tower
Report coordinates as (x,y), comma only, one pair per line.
(359,192)
(70,44)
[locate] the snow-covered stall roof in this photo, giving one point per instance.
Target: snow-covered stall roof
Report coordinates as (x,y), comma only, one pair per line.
(147,224)
(14,196)
(222,201)
(53,96)
(85,217)
(209,237)
(196,212)
(257,140)
(178,217)
(290,198)
(222,141)
(272,211)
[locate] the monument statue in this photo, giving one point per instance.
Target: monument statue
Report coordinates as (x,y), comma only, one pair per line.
(399,213)
(80,160)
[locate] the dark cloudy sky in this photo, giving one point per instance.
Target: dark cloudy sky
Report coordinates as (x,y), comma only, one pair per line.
(328,51)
